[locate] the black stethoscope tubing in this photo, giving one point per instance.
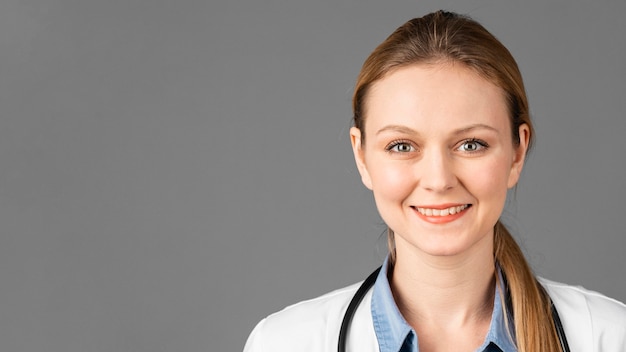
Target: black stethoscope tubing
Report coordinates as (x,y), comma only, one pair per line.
(369,282)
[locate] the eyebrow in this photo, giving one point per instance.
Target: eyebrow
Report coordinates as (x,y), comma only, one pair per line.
(397,128)
(408,130)
(477,126)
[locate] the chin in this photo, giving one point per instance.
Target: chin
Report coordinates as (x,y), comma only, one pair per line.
(444,246)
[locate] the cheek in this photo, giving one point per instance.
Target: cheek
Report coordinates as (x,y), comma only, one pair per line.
(488,180)
(392,183)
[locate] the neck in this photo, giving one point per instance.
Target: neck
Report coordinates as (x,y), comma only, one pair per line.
(450,291)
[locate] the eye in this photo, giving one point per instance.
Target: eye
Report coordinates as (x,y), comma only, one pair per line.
(472,145)
(400,147)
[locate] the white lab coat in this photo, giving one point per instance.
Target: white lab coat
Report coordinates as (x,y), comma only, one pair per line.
(592,323)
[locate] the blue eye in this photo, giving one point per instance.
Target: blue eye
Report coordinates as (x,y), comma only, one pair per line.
(472,145)
(400,147)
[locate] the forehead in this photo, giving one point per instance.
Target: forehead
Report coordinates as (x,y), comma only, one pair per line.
(438,95)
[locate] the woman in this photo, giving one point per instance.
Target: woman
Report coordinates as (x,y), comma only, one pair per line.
(441,131)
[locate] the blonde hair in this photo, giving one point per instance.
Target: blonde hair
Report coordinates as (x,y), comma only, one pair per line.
(448,37)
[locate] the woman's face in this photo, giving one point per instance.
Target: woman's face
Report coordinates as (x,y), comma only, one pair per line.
(439,157)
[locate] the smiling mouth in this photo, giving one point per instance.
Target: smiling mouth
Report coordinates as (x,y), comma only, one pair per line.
(442,212)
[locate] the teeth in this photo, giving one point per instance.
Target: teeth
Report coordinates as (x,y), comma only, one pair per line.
(442,212)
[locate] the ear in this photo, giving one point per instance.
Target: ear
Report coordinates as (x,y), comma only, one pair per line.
(520,155)
(359,156)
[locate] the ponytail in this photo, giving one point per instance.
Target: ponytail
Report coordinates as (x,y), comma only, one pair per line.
(534,327)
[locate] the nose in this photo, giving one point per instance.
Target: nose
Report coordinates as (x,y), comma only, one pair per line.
(436,171)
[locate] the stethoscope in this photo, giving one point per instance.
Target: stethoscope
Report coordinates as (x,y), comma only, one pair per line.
(369,282)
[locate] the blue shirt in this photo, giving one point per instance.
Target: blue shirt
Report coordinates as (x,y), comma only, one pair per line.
(394,334)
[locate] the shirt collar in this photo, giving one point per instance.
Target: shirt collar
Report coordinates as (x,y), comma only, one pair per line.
(394,334)
(389,324)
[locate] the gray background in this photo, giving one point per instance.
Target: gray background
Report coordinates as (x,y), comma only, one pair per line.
(173,171)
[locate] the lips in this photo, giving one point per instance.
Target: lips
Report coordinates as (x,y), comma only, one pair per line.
(441,214)
(442,211)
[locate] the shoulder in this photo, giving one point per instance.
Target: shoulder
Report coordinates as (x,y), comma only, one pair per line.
(598,321)
(313,311)
(307,325)
(594,304)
